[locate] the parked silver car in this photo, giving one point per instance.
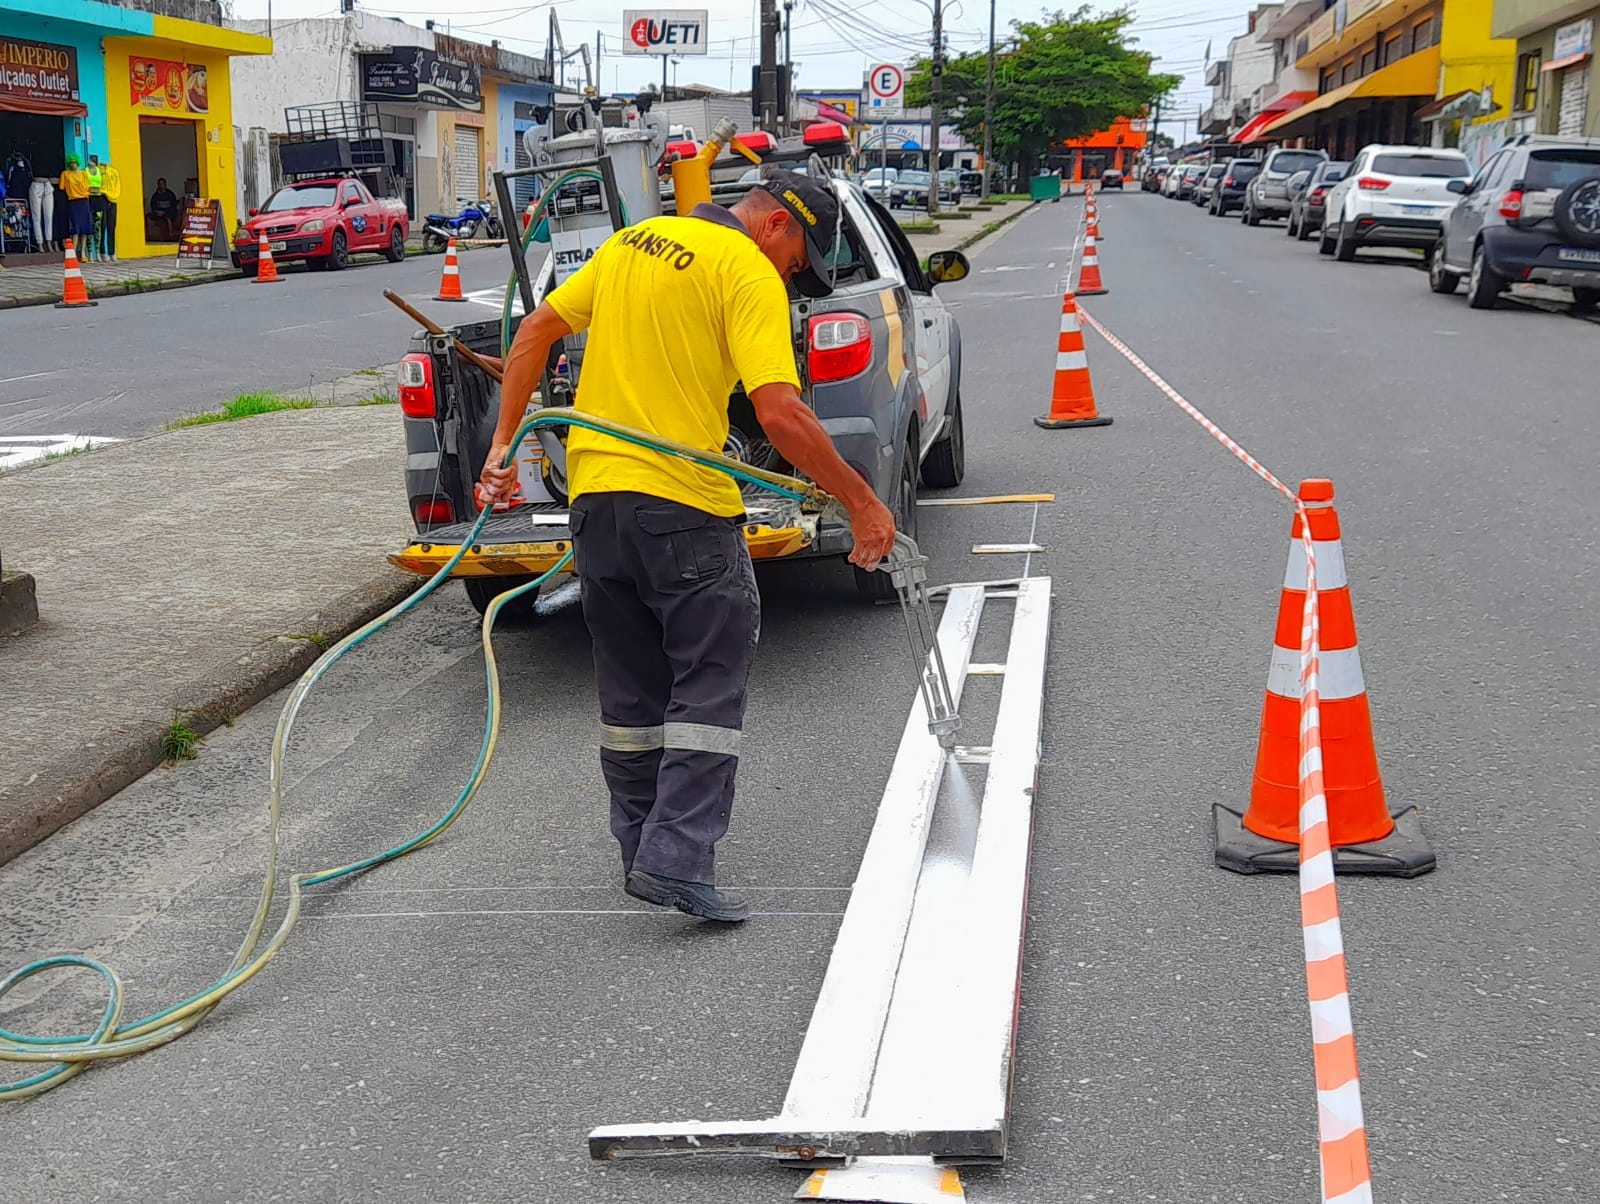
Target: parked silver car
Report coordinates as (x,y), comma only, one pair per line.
(1268,194)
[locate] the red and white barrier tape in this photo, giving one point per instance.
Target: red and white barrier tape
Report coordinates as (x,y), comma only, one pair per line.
(1341,1128)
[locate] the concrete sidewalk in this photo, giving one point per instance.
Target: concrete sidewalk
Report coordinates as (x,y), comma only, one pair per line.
(40,283)
(186,575)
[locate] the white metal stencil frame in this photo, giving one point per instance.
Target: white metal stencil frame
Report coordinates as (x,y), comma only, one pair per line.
(911,1043)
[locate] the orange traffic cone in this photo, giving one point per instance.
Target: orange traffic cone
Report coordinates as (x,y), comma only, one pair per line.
(1091,221)
(1366,838)
(74,293)
(1072,397)
(1089,282)
(266,266)
(450,278)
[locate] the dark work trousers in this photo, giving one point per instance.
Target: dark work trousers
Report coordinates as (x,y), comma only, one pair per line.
(670,599)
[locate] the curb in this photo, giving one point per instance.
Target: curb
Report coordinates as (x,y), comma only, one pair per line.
(994,227)
(56,794)
(159,286)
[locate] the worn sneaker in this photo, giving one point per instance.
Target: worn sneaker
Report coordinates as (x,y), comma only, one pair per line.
(695,898)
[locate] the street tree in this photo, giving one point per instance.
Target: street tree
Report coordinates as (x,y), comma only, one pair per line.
(1066,75)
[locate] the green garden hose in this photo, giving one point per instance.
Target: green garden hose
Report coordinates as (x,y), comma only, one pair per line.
(65,1056)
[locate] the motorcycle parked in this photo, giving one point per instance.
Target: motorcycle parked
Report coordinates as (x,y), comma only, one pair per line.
(476,218)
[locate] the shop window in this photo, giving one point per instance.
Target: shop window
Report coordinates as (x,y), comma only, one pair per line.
(1369,62)
(1528,80)
(1424,34)
(1347,73)
(1394,49)
(1329,79)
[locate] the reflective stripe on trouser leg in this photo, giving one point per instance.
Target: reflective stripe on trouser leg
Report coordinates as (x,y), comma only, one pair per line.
(709,632)
(631,673)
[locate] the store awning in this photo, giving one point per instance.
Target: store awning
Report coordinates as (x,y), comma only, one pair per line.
(1257,125)
(43,106)
(1414,75)
(1561,64)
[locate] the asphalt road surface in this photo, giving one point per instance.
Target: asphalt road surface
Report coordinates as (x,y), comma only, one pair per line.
(133,363)
(448,1028)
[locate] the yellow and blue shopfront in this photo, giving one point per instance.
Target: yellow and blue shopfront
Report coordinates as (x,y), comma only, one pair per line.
(148,95)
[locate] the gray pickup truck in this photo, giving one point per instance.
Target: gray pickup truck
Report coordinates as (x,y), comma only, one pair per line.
(880,364)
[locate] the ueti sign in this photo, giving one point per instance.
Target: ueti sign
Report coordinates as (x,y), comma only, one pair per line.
(36,77)
(664,31)
(886,86)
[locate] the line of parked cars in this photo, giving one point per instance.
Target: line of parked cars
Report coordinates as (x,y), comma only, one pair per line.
(1529,215)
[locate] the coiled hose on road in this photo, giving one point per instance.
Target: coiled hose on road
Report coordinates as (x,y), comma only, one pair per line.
(66,1056)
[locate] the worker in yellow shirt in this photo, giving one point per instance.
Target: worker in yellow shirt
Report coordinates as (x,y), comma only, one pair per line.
(679,310)
(80,221)
(110,194)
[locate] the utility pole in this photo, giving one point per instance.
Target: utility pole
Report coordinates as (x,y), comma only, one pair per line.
(936,113)
(788,58)
(988,111)
(767,77)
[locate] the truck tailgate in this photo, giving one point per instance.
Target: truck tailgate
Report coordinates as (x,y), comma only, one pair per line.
(531,539)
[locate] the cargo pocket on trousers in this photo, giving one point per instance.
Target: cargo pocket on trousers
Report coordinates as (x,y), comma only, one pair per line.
(693,545)
(575,519)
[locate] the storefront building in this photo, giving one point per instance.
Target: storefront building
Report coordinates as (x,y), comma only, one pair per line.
(1557,82)
(1401,71)
(1115,148)
(146,94)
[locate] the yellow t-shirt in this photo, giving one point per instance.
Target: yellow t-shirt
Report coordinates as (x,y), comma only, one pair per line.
(110,183)
(679,310)
(75,183)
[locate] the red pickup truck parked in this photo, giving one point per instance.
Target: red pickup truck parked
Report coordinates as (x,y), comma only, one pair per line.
(323,222)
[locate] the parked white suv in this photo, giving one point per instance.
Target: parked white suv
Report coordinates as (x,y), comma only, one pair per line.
(1392,196)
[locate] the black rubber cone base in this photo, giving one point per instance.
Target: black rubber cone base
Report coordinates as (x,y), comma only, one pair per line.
(1090,292)
(75,304)
(1056,424)
(1404,853)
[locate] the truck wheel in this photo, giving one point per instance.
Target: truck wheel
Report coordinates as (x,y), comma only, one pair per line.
(483,590)
(947,459)
(1585,300)
(339,257)
(1252,216)
(1325,240)
(878,586)
(397,245)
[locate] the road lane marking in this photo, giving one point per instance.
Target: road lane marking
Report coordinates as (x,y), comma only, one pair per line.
(6,380)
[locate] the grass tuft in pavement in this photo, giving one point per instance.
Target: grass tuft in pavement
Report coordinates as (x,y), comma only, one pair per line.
(380,399)
(246,405)
(179,742)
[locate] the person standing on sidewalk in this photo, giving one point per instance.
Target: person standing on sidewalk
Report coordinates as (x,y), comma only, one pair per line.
(679,310)
(111,193)
(80,221)
(97,209)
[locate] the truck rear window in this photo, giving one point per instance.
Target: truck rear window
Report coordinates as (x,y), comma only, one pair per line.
(1432,167)
(1245,169)
(1556,169)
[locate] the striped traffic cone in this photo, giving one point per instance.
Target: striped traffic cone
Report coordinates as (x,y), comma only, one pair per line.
(1365,837)
(266,266)
(1072,397)
(74,293)
(1089,282)
(1091,221)
(450,278)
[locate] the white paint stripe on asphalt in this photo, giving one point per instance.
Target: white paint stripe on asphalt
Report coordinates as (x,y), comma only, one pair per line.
(418,915)
(6,380)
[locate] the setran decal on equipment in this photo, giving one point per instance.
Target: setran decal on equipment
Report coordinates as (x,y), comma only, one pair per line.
(664,31)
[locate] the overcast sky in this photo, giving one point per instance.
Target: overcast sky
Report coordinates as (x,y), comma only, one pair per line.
(834,40)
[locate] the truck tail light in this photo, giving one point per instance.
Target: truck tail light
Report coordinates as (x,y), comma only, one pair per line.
(430,512)
(1230,182)
(1317,194)
(417,398)
(840,347)
(1511,205)
(1372,184)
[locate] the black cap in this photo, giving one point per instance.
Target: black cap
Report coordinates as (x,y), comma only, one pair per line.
(817,211)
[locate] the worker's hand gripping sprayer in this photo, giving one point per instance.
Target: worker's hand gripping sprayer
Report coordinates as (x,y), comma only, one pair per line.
(62,1057)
